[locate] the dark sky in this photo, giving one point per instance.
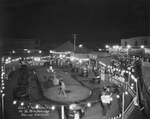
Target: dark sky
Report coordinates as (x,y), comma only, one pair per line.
(94,21)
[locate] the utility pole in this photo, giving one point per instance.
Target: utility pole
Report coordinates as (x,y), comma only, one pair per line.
(74,37)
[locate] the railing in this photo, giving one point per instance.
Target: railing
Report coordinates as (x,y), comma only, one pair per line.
(124,85)
(129,110)
(131,106)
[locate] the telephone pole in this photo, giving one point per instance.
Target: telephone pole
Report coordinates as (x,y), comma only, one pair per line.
(74,37)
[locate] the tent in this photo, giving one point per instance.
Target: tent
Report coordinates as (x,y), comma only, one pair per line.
(69,46)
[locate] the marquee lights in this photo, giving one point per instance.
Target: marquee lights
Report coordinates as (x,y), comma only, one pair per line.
(89,104)
(53,107)
(126,92)
(22,104)
(118,96)
(132,84)
(14,102)
(132,87)
(3,94)
(111,99)
(37,106)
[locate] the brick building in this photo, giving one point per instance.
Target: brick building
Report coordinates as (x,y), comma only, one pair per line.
(136,41)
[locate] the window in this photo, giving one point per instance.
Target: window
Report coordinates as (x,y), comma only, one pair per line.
(145,42)
(125,43)
(136,43)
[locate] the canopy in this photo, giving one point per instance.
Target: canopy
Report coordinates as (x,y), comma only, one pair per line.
(69,46)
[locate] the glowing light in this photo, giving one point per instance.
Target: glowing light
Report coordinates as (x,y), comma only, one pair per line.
(128,46)
(111,99)
(135,79)
(2,73)
(132,87)
(80,61)
(72,58)
(53,107)
(13,51)
(1,91)
(100,49)
(107,46)
(2,84)
(132,84)
(40,51)
(126,93)
(2,81)
(14,102)
(37,106)
(22,104)
(129,72)
(72,106)
(89,104)
(117,46)
(142,46)
(3,94)
(3,87)
(123,71)
(132,76)
(80,46)
(118,96)
(29,51)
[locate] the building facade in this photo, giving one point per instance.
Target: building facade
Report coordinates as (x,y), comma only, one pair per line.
(136,41)
(26,44)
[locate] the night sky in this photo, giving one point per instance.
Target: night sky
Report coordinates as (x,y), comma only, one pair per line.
(94,21)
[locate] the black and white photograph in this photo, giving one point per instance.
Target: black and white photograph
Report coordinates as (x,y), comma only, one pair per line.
(75,59)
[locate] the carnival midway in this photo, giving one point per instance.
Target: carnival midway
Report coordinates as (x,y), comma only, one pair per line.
(66,86)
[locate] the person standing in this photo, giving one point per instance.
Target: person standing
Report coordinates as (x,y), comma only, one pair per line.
(62,88)
(104,104)
(108,94)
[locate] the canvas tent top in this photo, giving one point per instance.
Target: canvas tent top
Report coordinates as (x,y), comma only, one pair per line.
(69,46)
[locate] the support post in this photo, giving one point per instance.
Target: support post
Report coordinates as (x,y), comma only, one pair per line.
(123,105)
(3,112)
(129,75)
(62,112)
(137,92)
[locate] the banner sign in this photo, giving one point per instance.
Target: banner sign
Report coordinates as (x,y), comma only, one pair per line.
(113,51)
(136,52)
(123,51)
